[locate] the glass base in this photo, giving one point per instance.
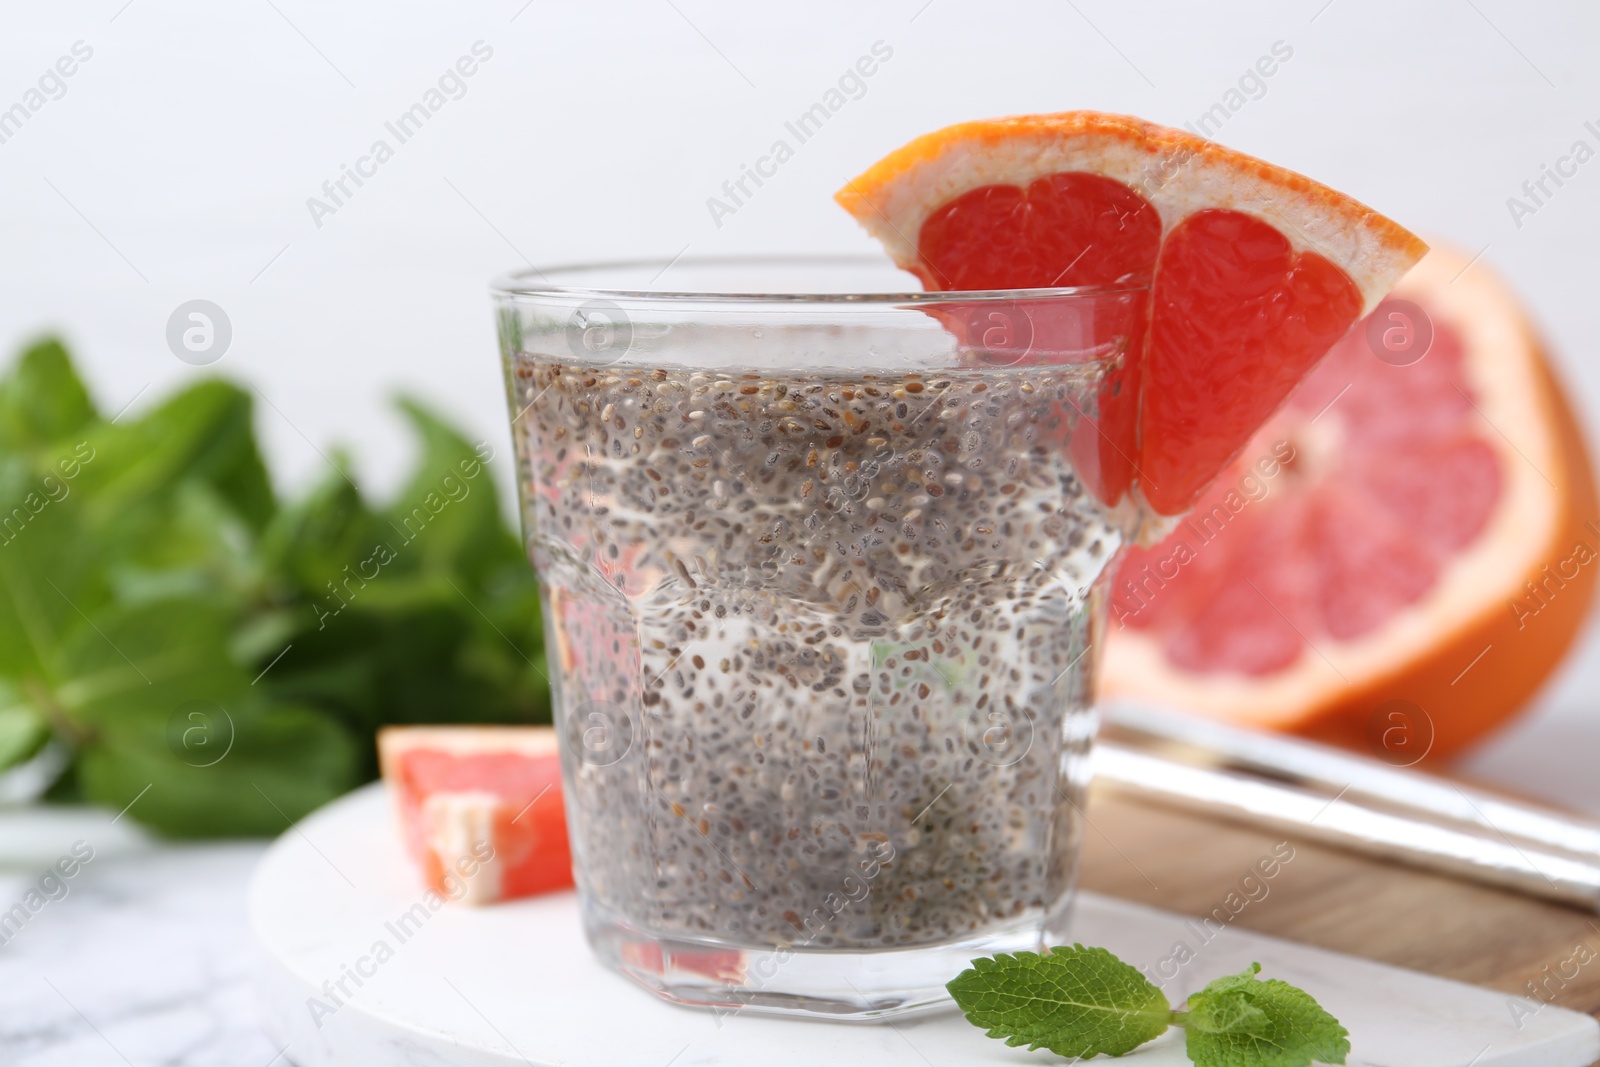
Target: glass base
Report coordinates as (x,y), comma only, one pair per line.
(831,984)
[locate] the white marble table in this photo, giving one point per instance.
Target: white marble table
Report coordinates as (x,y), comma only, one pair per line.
(144,961)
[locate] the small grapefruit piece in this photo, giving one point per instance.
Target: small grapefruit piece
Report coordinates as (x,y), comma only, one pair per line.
(1255,271)
(480,808)
(1414,532)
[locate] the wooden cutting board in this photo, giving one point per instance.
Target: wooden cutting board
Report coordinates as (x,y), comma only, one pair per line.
(1338,900)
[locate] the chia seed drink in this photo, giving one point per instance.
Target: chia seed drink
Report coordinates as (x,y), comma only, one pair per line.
(822,647)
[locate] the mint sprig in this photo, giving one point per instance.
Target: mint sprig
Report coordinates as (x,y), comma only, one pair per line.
(174,622)
(1084,1002)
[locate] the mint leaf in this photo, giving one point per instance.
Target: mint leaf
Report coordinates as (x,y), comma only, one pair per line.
(204,432)
(1225,1015)
(22,731)
(1242,1021)
(120,679)
(311,543)
(281,762)
(448,514)
(1075,1001)
(43,400)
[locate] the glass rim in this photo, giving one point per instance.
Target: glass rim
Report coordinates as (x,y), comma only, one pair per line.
(534,283)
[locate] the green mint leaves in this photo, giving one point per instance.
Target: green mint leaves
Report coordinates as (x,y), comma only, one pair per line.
(1084,1002)
(194,640)
(1075,1002)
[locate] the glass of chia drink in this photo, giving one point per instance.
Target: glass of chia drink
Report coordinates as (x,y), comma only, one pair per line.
(822,561)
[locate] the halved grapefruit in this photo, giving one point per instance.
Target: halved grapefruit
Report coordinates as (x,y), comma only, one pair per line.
(1255,270)
(1415,531)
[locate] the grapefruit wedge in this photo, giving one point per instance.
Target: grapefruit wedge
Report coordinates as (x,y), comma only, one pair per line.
(1255,271)
(1399,558)
(480,808)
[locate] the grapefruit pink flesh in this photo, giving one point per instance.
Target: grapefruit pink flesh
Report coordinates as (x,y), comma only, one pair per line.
(1237,316)
(1345,534)
(1062,230)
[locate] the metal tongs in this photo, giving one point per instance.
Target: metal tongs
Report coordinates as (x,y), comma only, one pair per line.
(1313,791)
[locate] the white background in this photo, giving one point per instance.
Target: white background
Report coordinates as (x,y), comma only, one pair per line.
(179,161)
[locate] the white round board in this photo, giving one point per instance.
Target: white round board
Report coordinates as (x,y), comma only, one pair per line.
(515,983)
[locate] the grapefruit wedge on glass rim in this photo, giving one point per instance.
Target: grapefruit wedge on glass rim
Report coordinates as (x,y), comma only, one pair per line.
(1254,271)
(1399,558)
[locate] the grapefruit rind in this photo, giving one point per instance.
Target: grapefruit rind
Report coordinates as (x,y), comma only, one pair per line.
(1177,172)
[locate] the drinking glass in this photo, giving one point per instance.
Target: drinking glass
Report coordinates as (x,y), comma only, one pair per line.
(822,568)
